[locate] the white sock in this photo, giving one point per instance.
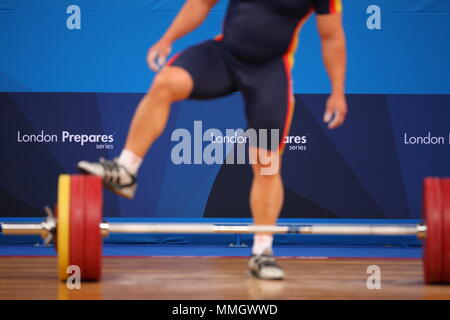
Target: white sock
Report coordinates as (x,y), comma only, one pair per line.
(261,242)
(130,161)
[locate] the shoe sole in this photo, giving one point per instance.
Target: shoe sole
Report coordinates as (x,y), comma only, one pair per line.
(255,275)
(113,190)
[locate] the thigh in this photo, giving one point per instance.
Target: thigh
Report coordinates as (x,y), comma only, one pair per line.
(207,65)
(268,97)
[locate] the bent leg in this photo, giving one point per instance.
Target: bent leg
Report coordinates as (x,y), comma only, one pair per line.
(198,72)
(170,85)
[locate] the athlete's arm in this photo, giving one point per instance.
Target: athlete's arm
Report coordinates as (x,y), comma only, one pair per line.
(334,57)
(190,17)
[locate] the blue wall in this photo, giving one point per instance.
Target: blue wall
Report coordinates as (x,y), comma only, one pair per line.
(89,81)
(410,54)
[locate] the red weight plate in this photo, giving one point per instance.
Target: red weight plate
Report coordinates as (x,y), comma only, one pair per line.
(93,198)
(432,211)
(445,183)
(76,233)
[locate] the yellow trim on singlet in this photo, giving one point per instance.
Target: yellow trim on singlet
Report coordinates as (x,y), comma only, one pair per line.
(294,42)
(338,5)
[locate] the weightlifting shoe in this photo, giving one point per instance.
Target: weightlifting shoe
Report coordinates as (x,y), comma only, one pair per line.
(265,267)
(115,176)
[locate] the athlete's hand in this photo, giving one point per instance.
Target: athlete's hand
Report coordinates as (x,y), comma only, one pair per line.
(336,110)
(158,53)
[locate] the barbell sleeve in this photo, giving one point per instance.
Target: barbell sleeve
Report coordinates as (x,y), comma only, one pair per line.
(22,229)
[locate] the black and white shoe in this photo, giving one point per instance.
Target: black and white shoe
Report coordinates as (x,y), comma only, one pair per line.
(265,267)
(115,176)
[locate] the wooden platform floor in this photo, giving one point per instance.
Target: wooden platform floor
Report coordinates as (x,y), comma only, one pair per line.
(218,278)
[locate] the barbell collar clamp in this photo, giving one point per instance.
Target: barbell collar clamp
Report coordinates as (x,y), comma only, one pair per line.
(46,229)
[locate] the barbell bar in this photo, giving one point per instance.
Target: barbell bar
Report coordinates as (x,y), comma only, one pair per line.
(106,228)
(77,227)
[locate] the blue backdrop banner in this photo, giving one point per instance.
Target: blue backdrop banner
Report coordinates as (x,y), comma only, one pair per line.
(372,167)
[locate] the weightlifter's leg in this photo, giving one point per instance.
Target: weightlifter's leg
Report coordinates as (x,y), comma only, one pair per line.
(199,71)
(269,108)
(172,84)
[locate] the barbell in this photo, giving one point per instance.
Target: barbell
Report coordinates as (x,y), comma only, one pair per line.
(76,227)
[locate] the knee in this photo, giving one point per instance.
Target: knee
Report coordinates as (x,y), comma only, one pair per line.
(265,173)
(171,84)
(265,164)
(162,87)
